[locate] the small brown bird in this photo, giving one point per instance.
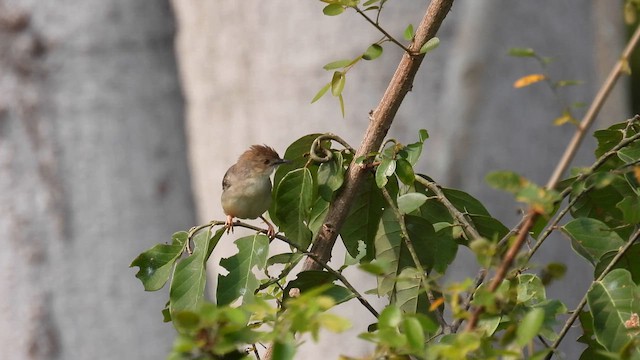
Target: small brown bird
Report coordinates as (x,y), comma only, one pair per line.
(246,186)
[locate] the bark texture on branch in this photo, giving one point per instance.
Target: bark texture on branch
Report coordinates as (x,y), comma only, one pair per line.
(380,122)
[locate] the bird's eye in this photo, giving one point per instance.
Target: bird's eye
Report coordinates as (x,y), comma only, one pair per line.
(267,161)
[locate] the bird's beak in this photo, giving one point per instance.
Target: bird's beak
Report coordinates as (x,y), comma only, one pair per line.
(282,161)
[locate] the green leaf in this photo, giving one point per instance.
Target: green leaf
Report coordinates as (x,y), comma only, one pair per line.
(430,249)
(155,264)
(312,279)
(298,154)
(408,32)
(630,154)
(186,320)
(337,64)
(506,180)
(189,277)
(387,245)
(404,171)
(530,290)
(241,282)
(464,202)
(563,83)
(552,272)
(522,52)
(442,247)
(293,200)
(601,204)
(591,238)
(284,258)
(529,326)
(333,9)
(317,215)
(413,153)
(430,45)
(373,52)
(407,290)
(539,199)
(284,350)
(341,101)
(321,92)
(415,334)
(386,168)
(424,135)
(594,349)
(630,207)
(410,202)
(362,221)
(337,83)
(628,261)
(214,241)
(612,303)
(390,317)
(330,176)
(353,260)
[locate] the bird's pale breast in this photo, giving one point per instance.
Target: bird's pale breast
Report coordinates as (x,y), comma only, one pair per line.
(247,198)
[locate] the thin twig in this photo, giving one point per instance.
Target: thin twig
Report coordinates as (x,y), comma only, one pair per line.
(596,165)
(303,251)
(594,109)
(383,31)
(380,121)
(328,155)
(414,256)
(469,230)
(583,302)
(482,274)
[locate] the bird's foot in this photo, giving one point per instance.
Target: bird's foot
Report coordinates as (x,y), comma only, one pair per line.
(229,224)
(271,231)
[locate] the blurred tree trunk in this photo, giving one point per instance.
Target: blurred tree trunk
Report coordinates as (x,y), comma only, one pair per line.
(250,72)
(93,166)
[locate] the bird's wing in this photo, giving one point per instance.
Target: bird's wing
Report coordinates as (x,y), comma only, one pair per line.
(226,182)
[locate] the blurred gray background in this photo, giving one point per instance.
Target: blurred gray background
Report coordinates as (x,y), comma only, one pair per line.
(118,119)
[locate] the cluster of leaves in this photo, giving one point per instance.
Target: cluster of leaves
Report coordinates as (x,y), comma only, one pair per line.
(604,201)
(341,67)
(405,230)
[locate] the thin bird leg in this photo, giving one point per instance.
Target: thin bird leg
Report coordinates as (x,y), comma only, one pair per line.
(229,223)
(271,231)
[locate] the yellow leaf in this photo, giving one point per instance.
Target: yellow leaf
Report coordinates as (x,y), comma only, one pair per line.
(636,172)
(566,117)
(630,13)
(528,80)
(437,302)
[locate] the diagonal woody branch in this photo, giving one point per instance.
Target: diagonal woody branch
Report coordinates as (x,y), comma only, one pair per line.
(380,121)
(588,119)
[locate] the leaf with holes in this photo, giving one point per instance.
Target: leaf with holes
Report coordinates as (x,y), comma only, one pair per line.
(614,305)
(155,264)
(240,281)
(362,221)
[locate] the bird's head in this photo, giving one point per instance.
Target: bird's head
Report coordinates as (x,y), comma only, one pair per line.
(261,159)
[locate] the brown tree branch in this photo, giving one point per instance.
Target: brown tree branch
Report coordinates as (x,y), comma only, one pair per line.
(381,120)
